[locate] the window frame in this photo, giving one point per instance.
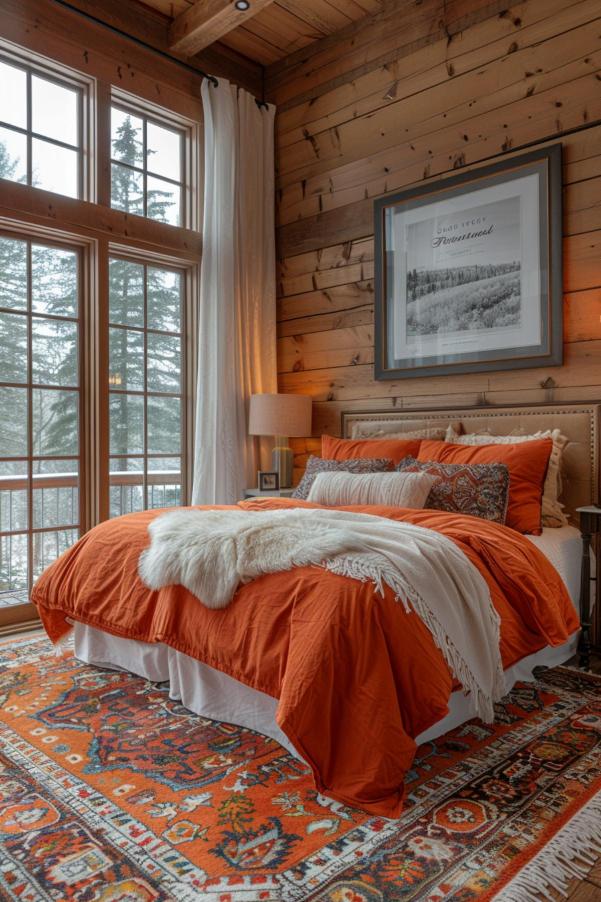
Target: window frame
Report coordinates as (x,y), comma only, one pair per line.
(85,87)
(189,153)
(147,261)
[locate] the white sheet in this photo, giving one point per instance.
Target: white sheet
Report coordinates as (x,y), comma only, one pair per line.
(216,695)
(563,547)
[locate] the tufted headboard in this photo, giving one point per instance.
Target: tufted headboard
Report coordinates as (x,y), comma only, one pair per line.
(579,422)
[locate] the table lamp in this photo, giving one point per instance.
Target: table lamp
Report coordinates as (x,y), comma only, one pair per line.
(282,416)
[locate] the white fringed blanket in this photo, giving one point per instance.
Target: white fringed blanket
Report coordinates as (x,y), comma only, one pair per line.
(212,552)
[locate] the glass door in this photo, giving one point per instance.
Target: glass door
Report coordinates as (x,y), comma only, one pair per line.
(40,459)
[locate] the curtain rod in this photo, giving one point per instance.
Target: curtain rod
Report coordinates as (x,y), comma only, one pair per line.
(130,37)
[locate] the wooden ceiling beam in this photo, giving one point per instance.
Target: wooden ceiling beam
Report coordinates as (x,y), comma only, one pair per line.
(143,23)
(207,21)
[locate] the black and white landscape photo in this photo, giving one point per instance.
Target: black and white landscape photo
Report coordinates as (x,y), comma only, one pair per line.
(464,271)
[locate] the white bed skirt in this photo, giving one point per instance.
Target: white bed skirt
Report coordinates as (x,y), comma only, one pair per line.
(197,686)
(216,695)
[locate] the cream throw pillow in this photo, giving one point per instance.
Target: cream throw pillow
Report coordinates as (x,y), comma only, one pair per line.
(361,430)
(393,489)
(552,513)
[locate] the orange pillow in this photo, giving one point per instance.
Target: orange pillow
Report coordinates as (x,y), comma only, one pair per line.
(348,448)
(527,464)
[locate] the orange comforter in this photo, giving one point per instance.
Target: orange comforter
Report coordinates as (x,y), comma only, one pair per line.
(356,676)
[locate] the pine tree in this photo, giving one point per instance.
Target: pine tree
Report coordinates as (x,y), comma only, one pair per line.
(8,167)
(13,328)
(127,191)
(164,309)
(127,308)
(55,352)
(13,351)
(54,291)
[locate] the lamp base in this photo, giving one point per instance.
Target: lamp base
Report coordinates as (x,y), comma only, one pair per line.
(282,460)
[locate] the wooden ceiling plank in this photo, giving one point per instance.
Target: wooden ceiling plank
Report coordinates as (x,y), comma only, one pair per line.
(292,28)
(370,7)
(244,41)
(278,27)
(271,35)
(207,21)
(171,8)
(312,16)
(349,8)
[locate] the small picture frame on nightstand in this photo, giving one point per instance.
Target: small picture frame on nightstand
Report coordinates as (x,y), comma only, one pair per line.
(269,481)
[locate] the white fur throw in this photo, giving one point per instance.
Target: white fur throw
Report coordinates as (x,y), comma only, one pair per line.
(212,552)
(395,489)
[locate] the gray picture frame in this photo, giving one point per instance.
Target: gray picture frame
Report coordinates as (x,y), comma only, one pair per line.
(538,175)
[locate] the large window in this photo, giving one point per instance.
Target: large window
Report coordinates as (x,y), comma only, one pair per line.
(146,315)
(39,410)
(96,299)
(147,168)
(40,130)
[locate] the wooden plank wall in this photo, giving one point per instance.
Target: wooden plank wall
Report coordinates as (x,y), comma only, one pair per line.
(423,89)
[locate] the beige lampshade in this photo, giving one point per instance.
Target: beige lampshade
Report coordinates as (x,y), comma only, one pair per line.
(288,415)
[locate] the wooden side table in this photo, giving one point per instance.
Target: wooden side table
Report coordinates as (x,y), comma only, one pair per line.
(590,525)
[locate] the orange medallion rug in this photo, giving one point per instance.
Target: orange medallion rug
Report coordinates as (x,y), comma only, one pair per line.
(109,790)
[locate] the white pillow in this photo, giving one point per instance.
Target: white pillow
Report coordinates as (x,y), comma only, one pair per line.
(552,513)
(393,489)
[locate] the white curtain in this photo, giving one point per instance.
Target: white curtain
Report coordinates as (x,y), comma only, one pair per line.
(237,317)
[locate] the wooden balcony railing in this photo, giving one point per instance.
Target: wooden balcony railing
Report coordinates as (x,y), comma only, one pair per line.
(57,512)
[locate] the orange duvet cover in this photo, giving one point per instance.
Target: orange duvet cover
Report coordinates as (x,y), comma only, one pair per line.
(356,676)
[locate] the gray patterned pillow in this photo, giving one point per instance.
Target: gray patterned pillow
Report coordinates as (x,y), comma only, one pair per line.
(481,490)
(317,465)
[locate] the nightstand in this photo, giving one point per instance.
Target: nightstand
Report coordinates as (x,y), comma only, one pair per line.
(257,493)
(590,525)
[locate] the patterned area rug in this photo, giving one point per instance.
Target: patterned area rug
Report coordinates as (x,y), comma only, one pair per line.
(110,791)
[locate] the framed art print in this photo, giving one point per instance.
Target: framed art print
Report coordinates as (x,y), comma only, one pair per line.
(269,481)
(469,271)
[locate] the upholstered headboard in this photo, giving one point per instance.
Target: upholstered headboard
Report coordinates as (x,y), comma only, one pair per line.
(579,422)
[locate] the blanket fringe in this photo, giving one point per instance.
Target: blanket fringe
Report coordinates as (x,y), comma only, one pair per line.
(570,854)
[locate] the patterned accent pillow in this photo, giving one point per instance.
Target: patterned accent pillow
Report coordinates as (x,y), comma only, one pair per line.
(317,465)
(481,490)
(552,513)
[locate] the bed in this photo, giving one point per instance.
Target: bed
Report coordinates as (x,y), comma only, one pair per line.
(215,695)
(212,692)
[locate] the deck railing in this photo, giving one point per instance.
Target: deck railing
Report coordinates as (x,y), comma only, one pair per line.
(56,511)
